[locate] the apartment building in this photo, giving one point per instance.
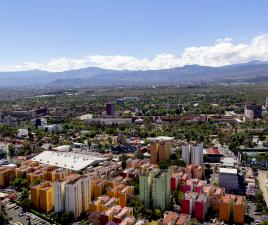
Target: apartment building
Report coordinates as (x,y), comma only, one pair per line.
(73,195)
(42,197)
(155,188)
(193,154)
(160,150)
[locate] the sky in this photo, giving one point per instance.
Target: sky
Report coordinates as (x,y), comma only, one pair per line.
(58,35)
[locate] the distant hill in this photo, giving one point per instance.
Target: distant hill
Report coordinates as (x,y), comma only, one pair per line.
(252,72)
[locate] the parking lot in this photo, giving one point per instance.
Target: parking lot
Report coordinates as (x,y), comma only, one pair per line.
(16,215)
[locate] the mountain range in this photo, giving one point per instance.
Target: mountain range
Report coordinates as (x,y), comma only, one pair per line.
(251,72)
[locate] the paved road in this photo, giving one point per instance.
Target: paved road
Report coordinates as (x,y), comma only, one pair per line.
(14,214)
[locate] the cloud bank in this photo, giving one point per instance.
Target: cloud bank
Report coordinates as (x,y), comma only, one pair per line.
(222,52)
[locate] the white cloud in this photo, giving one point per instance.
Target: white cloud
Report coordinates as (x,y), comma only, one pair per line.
(222,52)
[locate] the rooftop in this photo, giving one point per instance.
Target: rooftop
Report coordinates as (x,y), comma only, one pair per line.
(228,170)
(67,160)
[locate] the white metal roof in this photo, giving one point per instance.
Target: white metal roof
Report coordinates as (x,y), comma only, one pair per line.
(228,170)
(160,138)
(67,160)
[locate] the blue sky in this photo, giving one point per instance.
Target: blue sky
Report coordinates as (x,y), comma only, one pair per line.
(39,31)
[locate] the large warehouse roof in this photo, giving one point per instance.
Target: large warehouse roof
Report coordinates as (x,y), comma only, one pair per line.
(67,160)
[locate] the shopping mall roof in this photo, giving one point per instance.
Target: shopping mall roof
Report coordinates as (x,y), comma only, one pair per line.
(68,160)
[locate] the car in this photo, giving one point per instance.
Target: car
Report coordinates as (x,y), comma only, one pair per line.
(21,214)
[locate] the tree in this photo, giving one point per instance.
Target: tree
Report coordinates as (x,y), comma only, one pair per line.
(11,150)
(19,183)
(24,199)
(3,216)
(36,181)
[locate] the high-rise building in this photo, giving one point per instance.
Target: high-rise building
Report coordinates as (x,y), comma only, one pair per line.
(192,154)
(160,150)
(110,109)
(161,190)
(42,197)
(145,183)
(164,150)
(59,196)
(73,195)
(197,154)
(155,188)
(239,207)
(154,153)
(266,104)
(186,154)
(201,207)
(257,110)
(225,208)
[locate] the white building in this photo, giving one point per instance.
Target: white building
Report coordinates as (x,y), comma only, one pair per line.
(192,154)
(73,195)
(249,114)
(58,187)
(186,154)
(197,154)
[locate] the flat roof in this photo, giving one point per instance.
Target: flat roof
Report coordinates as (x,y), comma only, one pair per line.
(67,160)
(228,170)
(160,138)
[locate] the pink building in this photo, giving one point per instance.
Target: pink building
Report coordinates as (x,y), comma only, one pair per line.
(200,185)
(187,204)
(201,206)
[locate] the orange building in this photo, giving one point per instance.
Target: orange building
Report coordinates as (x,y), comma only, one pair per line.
(164,150)
(46,199)
(6,175)
(159,151)
(154,153)
(42,196)
(239,210)
(225,208)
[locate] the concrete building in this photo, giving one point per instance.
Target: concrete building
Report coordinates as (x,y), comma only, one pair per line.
(201,207)
(186,154)
(197,154)
(193,154)
(257,111)
(232,207)
(59,195)
(228,179)
(188,203)
(161,190)
(239,208)
(42,197)
(160,151)
(225,208)
(73,195)
(249,114)
(155,188)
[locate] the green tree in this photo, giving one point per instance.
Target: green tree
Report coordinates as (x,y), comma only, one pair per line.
(3,216)
(24,199)
(36,181)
